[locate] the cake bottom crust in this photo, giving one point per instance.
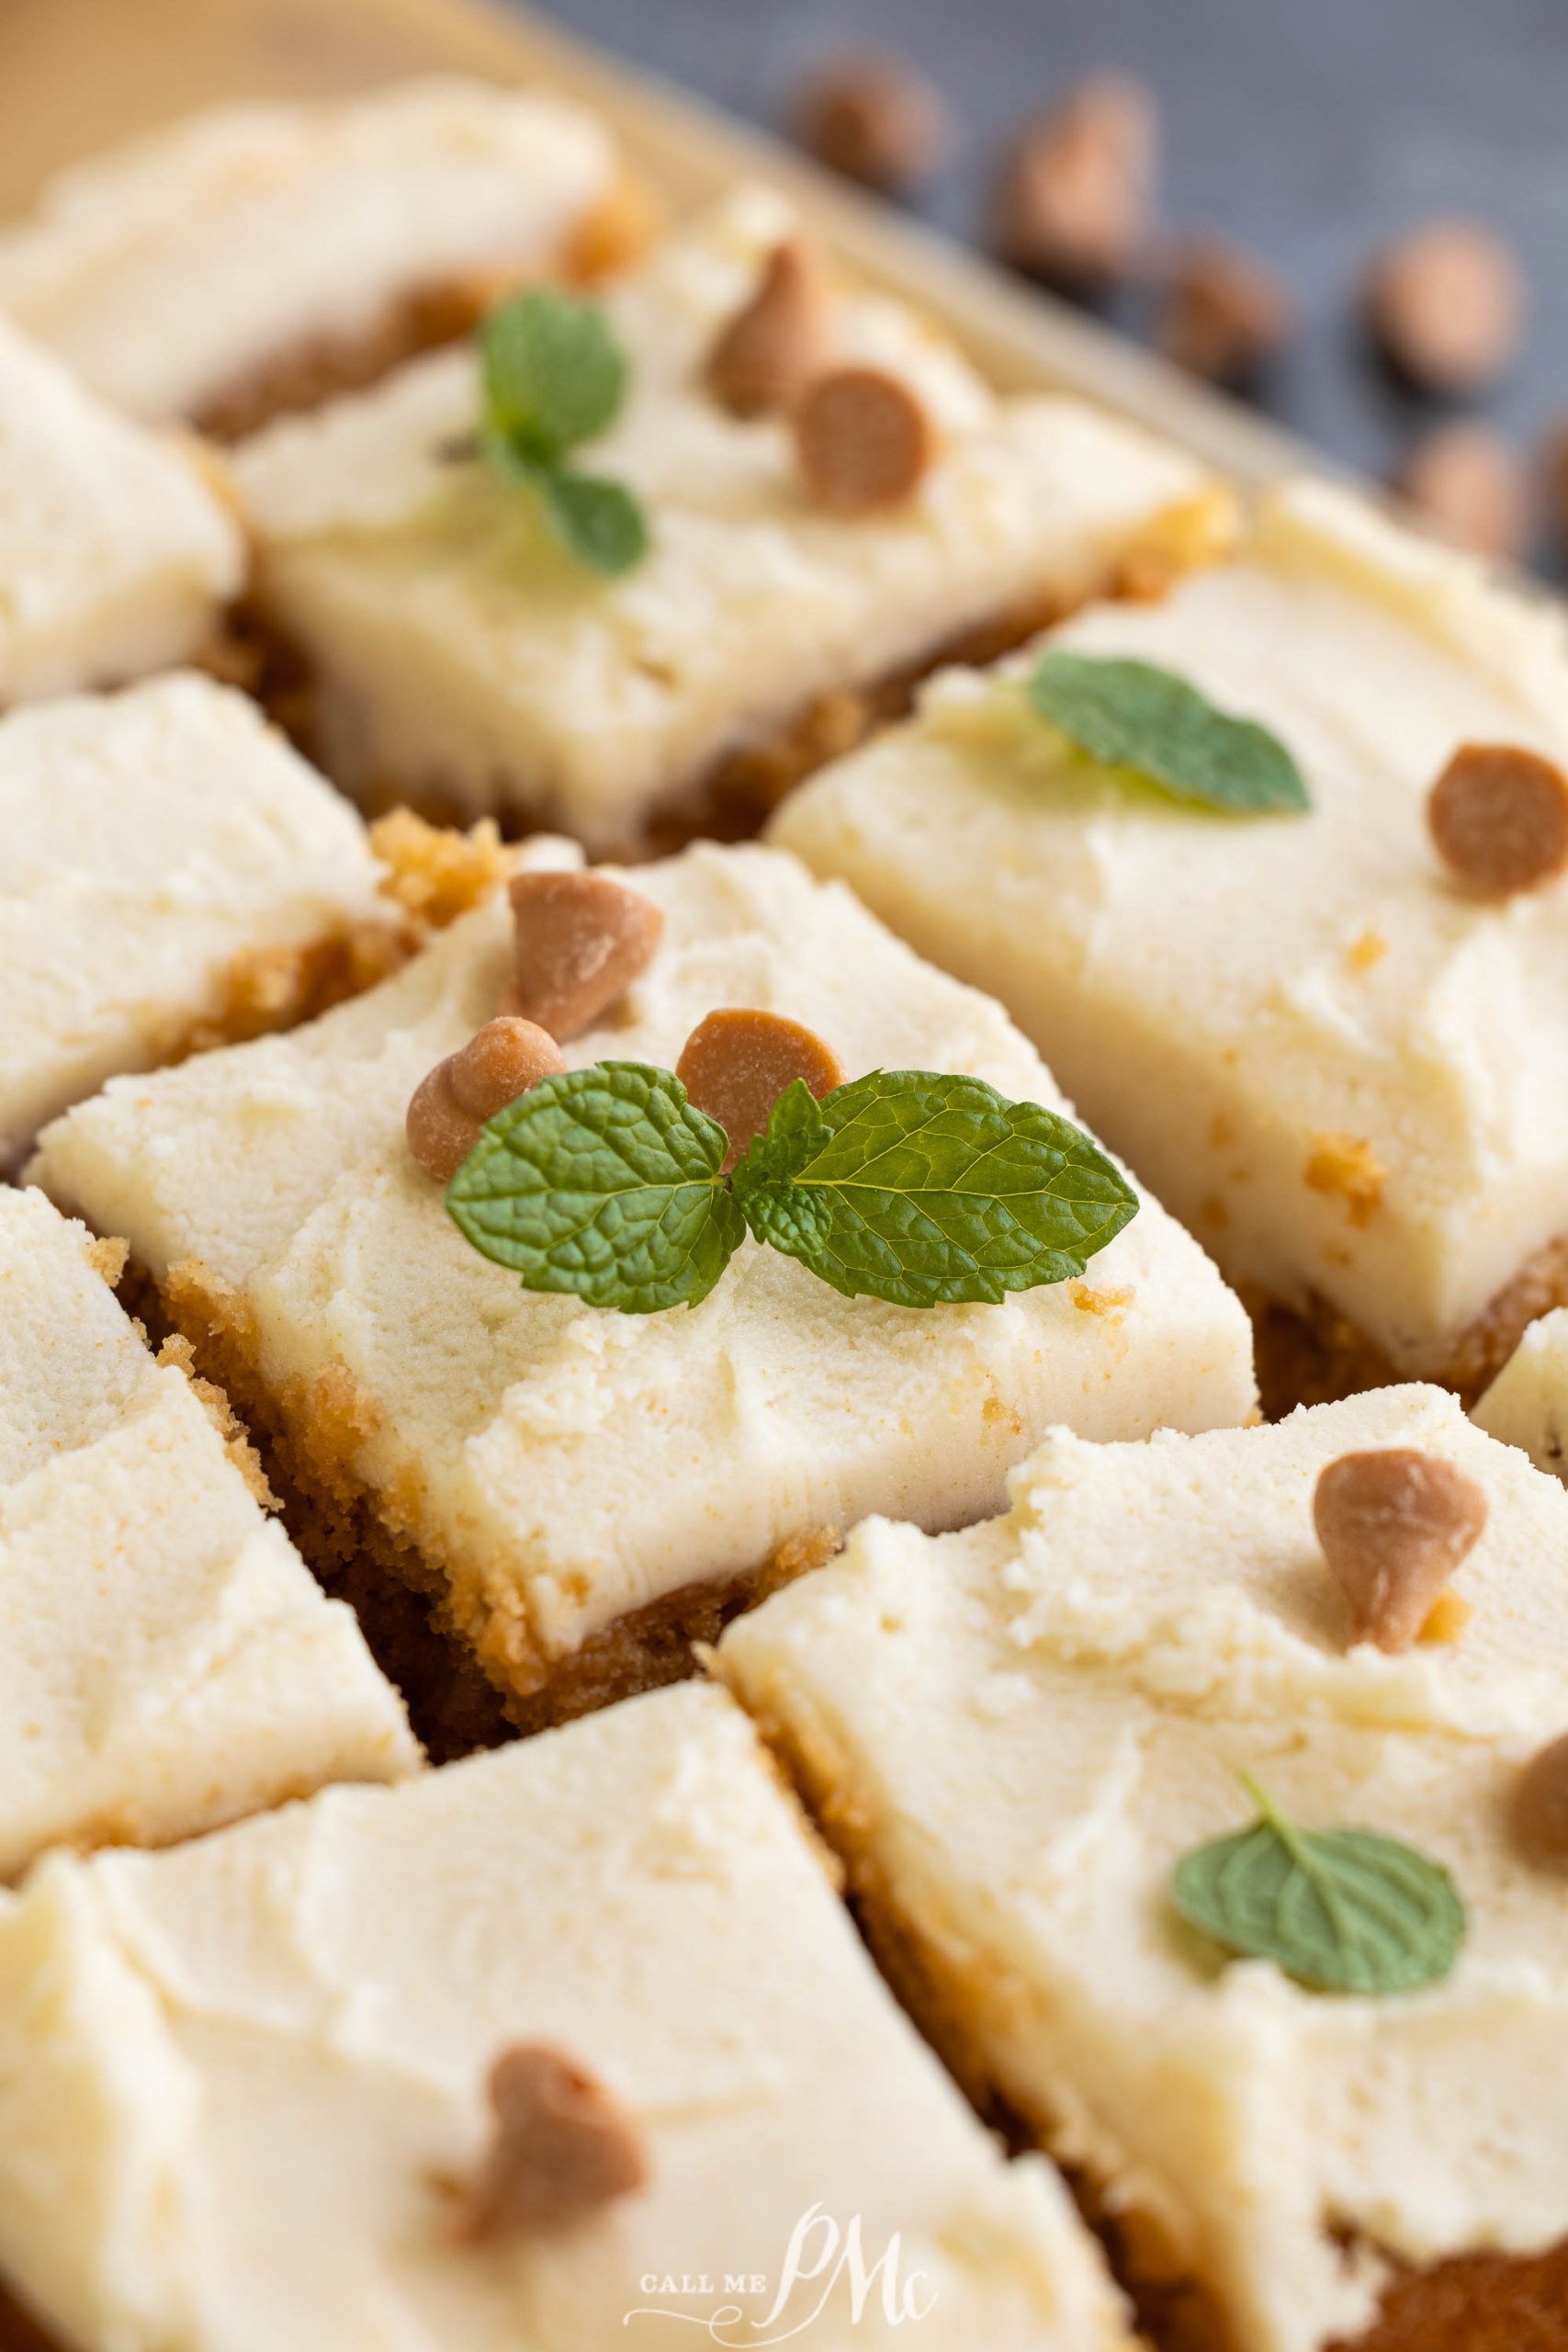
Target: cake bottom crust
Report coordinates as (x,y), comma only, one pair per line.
(610,236)
(1315,1354)
(466,1686)
(1472,2302)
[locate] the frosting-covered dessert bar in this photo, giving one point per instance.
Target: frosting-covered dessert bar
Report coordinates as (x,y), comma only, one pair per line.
(711,1368)
(563,2047)
(116,558)
(173,874)
(655,562)
(167,1662)
(256,258)
(1212,1807)
(1272,873)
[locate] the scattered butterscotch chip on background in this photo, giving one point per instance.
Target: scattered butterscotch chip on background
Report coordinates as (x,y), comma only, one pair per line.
(1395,1524)
(1468,486)
(562,2149)
(580,941)
(1498,816)
(737,1061)
(1073,204)
(875,119)
(1554,475)
(1540,1804)
(1446,303)
(765,357)
(1225,312)
(500,1061)
(864,440)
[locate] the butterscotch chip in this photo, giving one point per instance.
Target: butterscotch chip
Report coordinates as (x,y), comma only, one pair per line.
(1395,1524)
(864,438)
(737,1063)
(1225,313)
(875,119)
(561,2152)
(500,1062)
(770,351)
(1554,464)
(1540,1804)
(1468,486)
(1446,303)
(1073,206)
(1498,815)
(580,941)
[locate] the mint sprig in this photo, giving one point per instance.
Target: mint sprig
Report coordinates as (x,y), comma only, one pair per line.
(927,1190)
(920,1189)
(1132,714)
(552,377)
(1339,1910)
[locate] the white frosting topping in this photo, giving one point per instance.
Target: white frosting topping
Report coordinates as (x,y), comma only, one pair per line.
(1265,1014)
(114,557)
(1527,1404)
(164,271)
(1019,1730)
(456,643)
(167,1661)
(148,841)
(564,1464)
(234,2079)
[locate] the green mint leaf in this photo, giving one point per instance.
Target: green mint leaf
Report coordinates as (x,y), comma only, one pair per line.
(1131,715)
(1340,1910)
(551,373)
(927,1190)
(600,524)
(602,1183)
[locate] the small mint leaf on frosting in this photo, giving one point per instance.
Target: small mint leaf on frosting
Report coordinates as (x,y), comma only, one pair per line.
(552,377)
(1132,714)
(927,1190)
(1339,1910)
(602,1183)
(551,371)
(597,522)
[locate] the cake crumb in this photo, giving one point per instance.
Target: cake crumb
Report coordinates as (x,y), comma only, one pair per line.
(434,873)
(798,1555)
(111,1257)
(1110,1304)
(1367,949)
(178,1353)
(1348,1166)
(1447,1617)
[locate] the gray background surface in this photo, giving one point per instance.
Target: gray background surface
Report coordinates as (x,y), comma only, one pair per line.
(1307,129)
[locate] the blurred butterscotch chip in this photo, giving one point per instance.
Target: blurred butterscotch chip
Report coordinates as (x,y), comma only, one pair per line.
(1073,205)
(1225,313)
(874,118)
(737,1061)
(1555,461)
(1395,1524)
(1498,815)
(1541,1806)
(560,2151)
(865,439)
(580,941)
(1468,486)
(1446,303)
(772,348)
